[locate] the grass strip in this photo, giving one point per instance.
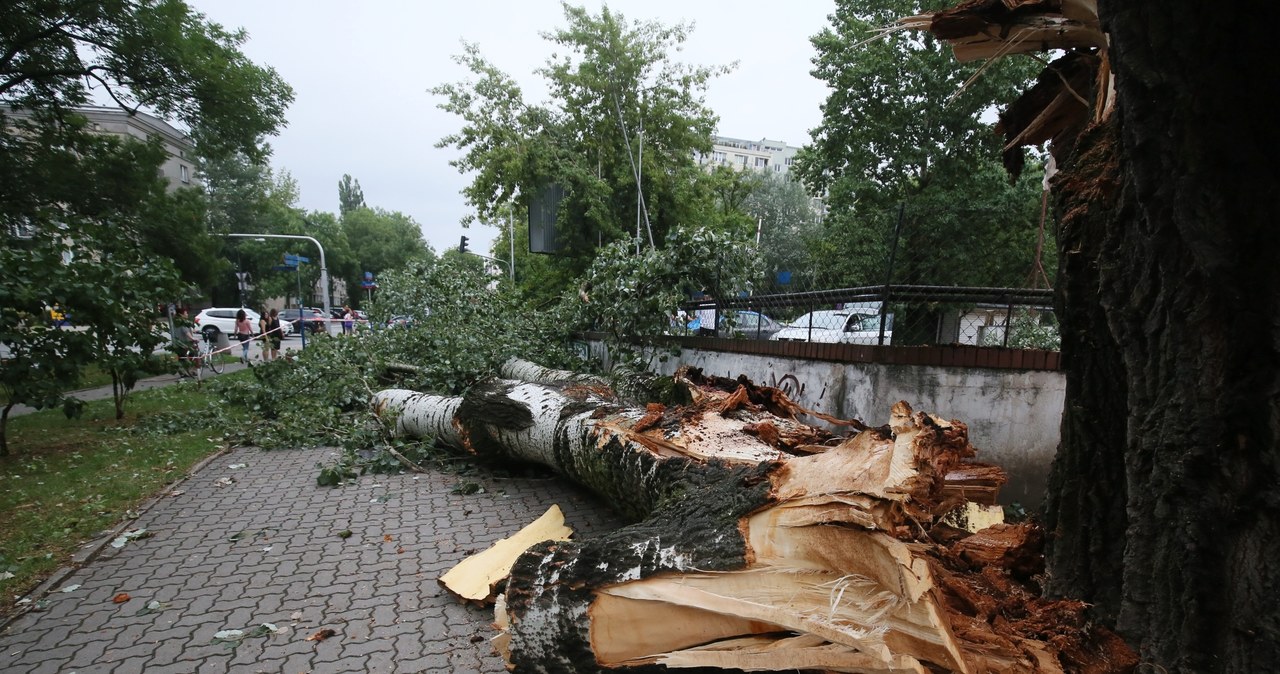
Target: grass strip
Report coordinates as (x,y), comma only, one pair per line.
(69,480)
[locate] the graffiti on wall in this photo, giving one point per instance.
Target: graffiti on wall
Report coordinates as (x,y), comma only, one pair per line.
(792,386)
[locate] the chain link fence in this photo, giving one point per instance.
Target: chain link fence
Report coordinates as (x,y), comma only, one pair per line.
(942,274)
(902,315)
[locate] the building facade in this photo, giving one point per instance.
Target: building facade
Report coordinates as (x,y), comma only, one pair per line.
(773,156)
(178,168)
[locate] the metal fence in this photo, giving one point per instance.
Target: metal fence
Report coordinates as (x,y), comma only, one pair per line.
(901,315)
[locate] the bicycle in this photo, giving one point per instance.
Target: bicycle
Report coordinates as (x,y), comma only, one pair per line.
(193,366)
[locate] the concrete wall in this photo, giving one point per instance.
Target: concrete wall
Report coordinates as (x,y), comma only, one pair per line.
(1013,415)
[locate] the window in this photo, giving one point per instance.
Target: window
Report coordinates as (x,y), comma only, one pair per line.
(186,177)
(761,162)
(741,159)
(22,229)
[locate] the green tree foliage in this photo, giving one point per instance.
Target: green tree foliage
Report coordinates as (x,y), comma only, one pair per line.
(903,124)
(789,227)
(82,215)
(174,228)
(379,241)
(463,328)
(610,78)
(43,360)
(729,191)
(541,279)
(631,296)
(154,54)
(343,265)
(350,196)
(248,197)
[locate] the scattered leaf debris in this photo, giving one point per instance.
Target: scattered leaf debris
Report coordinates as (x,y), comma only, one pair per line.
(121,598)
(321,635)
(153,607)
(467,489)
(131,535)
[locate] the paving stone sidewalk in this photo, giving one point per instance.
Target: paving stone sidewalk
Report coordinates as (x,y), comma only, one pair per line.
(251,539)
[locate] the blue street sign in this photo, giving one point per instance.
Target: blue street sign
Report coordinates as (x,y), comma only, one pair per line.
(285,267)
(295,259)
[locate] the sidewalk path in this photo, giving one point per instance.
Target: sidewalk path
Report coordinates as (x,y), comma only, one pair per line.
(104,392)
(250,538)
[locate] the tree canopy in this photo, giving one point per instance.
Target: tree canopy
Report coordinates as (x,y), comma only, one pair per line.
(904,125)
(613,89)
(381,240)
(350,196)
(144,54)
(86,222)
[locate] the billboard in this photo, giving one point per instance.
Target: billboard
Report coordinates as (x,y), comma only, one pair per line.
(544,205)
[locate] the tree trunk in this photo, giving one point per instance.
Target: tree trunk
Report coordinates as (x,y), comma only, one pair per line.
(1164,501)
(1087,492)
(757,548)
(4,428)
(118,392)
(1170,214)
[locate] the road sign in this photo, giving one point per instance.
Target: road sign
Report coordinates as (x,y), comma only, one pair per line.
(295,259)
(285,267)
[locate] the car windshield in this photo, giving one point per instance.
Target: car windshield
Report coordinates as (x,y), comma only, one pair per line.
(828,320)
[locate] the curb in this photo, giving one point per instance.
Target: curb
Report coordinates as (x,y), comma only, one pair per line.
(94,548)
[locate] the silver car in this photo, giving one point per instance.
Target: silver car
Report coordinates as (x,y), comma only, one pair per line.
(836,326)
(745,324)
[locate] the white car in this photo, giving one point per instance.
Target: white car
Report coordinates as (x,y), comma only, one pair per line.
(214,320)
(836,326)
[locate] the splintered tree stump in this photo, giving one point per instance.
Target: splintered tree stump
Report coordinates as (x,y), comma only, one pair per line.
(783,550)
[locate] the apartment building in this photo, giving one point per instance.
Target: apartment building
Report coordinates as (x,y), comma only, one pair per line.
(774,156)
(178,168)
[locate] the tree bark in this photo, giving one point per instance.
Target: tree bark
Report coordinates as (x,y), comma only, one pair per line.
(757,548)
(1188,300)
(1164,501)
(1085,508)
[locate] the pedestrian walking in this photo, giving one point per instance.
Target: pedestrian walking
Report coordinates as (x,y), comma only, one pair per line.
(263,330)
(348,320)
(271,346)
(244,333)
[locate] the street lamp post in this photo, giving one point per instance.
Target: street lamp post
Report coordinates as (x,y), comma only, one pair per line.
(324,271)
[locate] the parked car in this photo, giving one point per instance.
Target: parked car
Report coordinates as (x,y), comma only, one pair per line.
(336,312)
(216,320)
(746,324)
(836,326)
(399,321)
(295,316)
(361,320)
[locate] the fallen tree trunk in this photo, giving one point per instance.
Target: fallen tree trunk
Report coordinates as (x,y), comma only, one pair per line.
(757,546)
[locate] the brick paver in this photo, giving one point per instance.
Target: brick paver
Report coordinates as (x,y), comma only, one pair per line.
(266,549)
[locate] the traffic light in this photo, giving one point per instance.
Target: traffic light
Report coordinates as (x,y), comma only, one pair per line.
(462,247)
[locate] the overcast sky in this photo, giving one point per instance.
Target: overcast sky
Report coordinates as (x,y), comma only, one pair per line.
(361,72)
